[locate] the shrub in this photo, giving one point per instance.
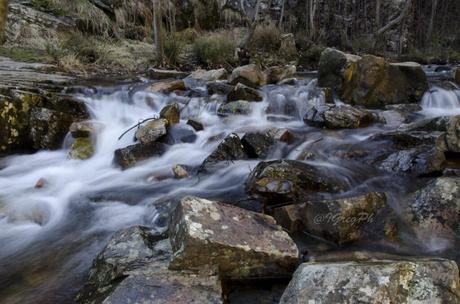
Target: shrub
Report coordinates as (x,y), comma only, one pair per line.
(173,46)
(266,37)
(70,63)
(215,50)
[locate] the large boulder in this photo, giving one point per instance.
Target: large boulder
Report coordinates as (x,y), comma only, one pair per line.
(240,244)
(32,121)
(243,92)
(434,211)
(131,155)
(133,268)
(371,81)
(342,220)
(152,131)
(250,75)
(415,280)
(281,181)
(230,149)
(337,117)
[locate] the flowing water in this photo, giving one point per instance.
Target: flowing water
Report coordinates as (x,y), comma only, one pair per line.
(49,236)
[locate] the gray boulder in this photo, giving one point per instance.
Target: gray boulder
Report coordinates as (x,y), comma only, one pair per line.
(152,131)
(131,155)
(415,280)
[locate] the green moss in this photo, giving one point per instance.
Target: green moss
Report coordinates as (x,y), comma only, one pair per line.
(82,148)
(25,54)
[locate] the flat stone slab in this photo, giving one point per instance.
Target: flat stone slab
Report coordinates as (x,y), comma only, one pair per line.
(236,242)
(414,280)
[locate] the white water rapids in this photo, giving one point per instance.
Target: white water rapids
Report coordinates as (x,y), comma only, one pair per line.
(67,221)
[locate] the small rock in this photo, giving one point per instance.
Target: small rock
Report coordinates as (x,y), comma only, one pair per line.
(204,76)
(41,183)
(179,172)
(129,156)
(242,92)
(219,87)
(342,220)
(346,117)
(230,149)
(280,181)
(257,145)
(239,243)
(179,133)
(434,211)
(277,74)
(167,86)
(152,131)
(409,280)
(82,148)
(239,107)
(171,113)
(249,75)
(195,124)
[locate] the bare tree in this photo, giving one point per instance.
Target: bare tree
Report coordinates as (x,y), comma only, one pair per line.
(3,17)
(434,6)
(158,30)
(396,21)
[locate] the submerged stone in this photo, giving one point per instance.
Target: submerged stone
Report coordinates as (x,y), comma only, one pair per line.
(82,148)
(238,243)
(413,280)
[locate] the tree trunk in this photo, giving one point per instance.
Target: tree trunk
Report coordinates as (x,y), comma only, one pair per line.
(252,27)
(397,20)
(158,31)
(3,17)
(377,14)
(434,7)
(282,15)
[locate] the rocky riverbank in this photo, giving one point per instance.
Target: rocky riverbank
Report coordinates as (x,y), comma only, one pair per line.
(247,185)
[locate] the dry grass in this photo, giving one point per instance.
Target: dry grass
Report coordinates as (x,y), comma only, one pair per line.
(266,37)
(70,63)
(216,49)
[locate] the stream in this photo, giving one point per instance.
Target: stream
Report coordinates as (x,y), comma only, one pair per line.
(49,236)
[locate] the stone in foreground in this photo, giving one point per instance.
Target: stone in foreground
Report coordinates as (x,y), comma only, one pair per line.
(152,131)
(412,281)
(236,242)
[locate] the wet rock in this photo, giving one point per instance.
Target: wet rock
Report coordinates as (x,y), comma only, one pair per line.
(453,134)
(346,117)
(457,76)
(152,131)
(288,81)
(337,117)
(133,268)
(396,115)
(82,148)
(334,67)
(179,133)
(342,220)
(281,134)
(249,75)
(434,211)
(219,87)
(230,149)
(167,86)
(195,124)
(171,113)
(180,172)
(129,156)
(277,74)
(315,116)
(239,243)
(415,280)
(280,181)
(239,107)
(257,145)
(376,83)
(436,124)
(242,92)
(40,183)
(165,74)
(371,81)
(425,160)
(82,129)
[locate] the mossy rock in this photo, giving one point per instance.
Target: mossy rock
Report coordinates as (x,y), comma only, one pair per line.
(82,148)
